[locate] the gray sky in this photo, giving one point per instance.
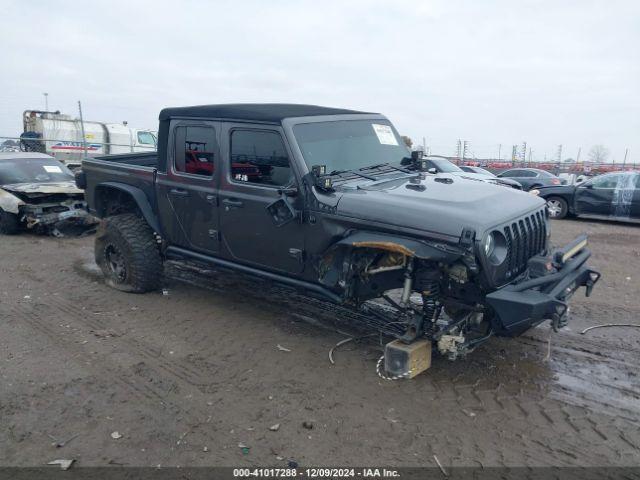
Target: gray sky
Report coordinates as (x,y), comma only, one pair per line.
(491,72)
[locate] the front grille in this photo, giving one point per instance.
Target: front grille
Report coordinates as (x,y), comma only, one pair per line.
(526,238)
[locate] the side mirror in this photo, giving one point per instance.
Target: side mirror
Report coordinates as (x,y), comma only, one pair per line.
(281,212)
(432,170)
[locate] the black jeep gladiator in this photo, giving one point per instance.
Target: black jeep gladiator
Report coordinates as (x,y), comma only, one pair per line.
(330,201)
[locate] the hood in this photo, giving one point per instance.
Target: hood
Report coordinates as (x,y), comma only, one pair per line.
(442,204)
(52,187)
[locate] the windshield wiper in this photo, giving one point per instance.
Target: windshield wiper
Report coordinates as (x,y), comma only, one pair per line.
(339,172)
(380,165)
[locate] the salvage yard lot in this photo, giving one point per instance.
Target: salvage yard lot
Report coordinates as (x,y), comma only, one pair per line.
(189,377)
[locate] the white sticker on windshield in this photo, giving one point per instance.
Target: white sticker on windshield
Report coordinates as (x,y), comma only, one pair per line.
(52,169)
(385,134)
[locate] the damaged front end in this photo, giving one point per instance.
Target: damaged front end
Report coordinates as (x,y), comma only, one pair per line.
(51,209)
(410,289)
(417,290)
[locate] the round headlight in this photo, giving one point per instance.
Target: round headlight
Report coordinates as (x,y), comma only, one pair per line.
(488,245)
(495,247)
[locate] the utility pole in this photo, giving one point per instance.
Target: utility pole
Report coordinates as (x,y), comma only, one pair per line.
(578,156)
(459,149)
(514,154)
(46,102)
(499,152)
(529,156)
(424,145)
(523,154)
(84,138)
(465,149)
(559,153)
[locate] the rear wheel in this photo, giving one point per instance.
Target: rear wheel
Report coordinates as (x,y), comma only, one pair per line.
(127,253)
(9,223)
(557,207)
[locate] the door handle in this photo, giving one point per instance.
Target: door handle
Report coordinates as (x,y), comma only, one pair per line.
(179,192)
(230,202)
(211,198)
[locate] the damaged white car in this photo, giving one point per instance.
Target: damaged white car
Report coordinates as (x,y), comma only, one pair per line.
(38,192)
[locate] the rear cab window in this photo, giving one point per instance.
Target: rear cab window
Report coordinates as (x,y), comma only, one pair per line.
(196,150)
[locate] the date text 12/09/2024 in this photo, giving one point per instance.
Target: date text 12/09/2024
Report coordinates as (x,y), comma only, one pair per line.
(315,472)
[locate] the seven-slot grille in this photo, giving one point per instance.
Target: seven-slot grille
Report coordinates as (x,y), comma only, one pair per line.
(526,238)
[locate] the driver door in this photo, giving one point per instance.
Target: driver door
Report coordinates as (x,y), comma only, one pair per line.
(257,168)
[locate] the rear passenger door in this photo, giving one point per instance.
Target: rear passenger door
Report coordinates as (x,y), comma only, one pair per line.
(188,190)
(258,165)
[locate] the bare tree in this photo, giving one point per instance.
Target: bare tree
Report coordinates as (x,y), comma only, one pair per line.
(598,154)
(407,141)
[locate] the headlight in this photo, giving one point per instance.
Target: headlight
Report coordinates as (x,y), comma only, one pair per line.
(535,192)
(488,245)
(495,247)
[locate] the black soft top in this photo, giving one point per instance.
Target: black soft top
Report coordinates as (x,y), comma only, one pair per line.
(262,112)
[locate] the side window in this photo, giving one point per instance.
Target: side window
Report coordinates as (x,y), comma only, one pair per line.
(146,138)
(259,157)
(606,181)
(195,150)
(510,173)
(528,174)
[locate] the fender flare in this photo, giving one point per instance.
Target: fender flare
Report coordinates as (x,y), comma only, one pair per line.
(406,246)
(139,197)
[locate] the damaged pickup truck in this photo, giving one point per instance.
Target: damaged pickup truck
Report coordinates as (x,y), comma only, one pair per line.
(334,205)
(37,192)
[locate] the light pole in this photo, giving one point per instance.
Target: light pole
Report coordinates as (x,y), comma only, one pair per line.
(46,102)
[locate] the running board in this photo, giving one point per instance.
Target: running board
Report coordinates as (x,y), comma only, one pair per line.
(177,253)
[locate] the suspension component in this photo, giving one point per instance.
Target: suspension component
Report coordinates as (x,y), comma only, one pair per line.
(428,283)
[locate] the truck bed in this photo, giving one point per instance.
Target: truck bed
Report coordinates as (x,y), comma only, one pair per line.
(129,169)
(147,159)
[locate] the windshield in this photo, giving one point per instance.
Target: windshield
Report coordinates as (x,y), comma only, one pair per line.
(442,165)
(350,144)
(33,170)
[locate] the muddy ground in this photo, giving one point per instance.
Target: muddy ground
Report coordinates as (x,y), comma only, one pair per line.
(189,377)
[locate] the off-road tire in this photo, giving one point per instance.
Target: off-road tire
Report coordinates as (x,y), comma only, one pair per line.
(9,223)
(128,255)
(561,207)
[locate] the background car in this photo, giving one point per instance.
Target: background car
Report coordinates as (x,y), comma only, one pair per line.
(442,165)
(481,172)
(613,195)
(38,192)
(531,178)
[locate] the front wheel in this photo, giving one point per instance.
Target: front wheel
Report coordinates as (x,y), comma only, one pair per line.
(127,253)
(9,223)
(557,207)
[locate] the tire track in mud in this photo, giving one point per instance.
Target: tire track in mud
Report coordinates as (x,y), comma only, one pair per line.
(143,380)
(178,368)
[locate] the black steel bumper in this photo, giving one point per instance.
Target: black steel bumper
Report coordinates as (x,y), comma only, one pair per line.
(523,305)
